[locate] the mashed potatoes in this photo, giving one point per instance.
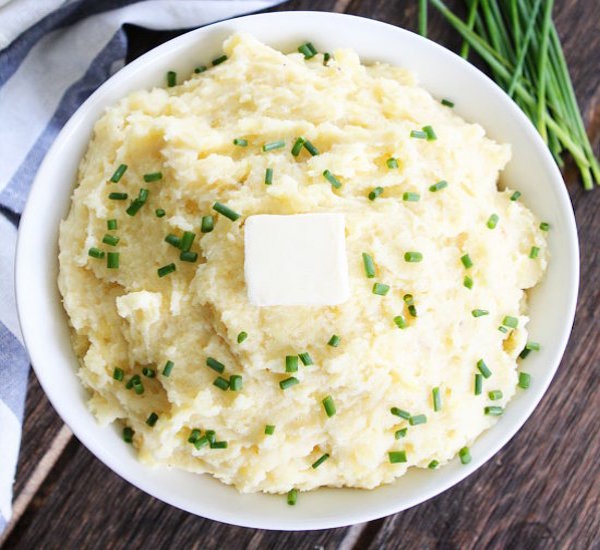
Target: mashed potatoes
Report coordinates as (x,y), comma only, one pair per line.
(129,320)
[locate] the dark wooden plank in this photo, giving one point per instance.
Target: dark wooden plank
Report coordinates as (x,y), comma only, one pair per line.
(40,427)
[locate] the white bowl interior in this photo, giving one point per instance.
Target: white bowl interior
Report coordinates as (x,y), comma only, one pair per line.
(444,74)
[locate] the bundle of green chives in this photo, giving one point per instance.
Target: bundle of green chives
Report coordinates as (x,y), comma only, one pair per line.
(518,41)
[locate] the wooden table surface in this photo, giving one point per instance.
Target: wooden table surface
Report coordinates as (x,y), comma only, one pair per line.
(542,490)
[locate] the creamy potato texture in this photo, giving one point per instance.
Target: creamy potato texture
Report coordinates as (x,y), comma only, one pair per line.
(357,117)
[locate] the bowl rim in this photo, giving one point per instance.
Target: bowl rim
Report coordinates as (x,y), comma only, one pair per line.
(22,263)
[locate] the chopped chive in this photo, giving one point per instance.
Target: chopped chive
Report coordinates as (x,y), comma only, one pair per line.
(219,60)
(418,134)
(334,341)
(112,260)
(524,353)
(326,58)
(148,372)
(329,406)
(524,380)
(268,176)
(111,225)
(194,435)
(235,382)
(297,147)
(375,193)
(171,78)
(319,461)
(215,365)
(465,455)
(151,420)
(188,256)
(211,436)
(208,224)
(307,50)
(153,176)
(116,177)
(219,445)
(396,457)
(447,103)
(438,186)
(544,226)
(272,145)
(138,388)
(135,379)
(509,321)
(166,269)
(502,329)
(168,368)
(369,265)
(159,212)
(186,240)
(399,434)
(306,358)
(380,289)
(532,346)
(411,197)
(494,395)
(392,163)
(173,240)
(479,312)
(400,412)
(408,299)
(291,363)
(413,257)
(534,252)
(221,383)
(493,410)
(429,133)
(226,211)
(240,142)
(201,441)
(114,196)
(515,196)
(332,179)
(110,240)
(466,261)
(468,282)
(478,384)
(412,309)
(492,221)
(288,383)
(128,434)
(269,429)
(437,399)
(292,497)
(200,69)
(241,337)
(118,374)
(96,253)
(310,148)
(138,202)
(417,419)
(433,464)
(483,369)
(400,321)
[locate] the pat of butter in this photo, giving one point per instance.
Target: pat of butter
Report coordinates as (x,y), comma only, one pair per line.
(295,260)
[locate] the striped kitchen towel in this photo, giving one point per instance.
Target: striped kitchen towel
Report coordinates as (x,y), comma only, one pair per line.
(53,55)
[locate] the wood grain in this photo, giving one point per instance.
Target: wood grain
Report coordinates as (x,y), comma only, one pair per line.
(541,491)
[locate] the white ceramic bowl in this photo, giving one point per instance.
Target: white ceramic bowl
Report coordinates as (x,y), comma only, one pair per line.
(444,74)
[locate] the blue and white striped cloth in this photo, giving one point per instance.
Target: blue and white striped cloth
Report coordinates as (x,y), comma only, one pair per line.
(53,55)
